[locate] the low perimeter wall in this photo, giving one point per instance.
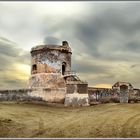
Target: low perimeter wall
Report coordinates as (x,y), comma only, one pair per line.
(58,95)
(110,95)
(49,95)
(77,99)
(45,94)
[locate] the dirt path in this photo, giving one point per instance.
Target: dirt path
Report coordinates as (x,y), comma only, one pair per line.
(32,120)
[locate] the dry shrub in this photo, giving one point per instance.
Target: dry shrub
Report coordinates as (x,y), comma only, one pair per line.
(109,99)
(115,99)
(105,100)
(134,99)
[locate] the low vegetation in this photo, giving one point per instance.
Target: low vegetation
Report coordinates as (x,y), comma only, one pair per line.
(109,99)
(51,120)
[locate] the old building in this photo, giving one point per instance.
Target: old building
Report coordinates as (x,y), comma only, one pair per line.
(51,69)
(48,65)
(124,89)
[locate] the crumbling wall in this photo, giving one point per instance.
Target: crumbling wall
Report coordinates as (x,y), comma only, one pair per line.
(39,94)
(111,95)
(76,99)
(103,95)
(117,85)
(70,88)
(46,80)
(134,96)
(49,95)
(76,94)
(50,60)
(17,95)
(80,88)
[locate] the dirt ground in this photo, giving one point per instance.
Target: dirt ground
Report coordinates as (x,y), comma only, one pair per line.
(42,120)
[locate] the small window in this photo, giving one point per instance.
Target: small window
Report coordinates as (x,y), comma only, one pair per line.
(34,67)
(63,68)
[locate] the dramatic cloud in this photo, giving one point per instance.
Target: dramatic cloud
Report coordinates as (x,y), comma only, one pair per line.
(12,59)
(51,40)
(104,38)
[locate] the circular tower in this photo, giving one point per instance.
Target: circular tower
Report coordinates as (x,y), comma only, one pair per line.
(48,65)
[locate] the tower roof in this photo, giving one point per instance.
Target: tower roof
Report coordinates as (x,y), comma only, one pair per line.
(64,47)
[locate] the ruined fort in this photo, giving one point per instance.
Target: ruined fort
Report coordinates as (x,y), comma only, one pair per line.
(53,80)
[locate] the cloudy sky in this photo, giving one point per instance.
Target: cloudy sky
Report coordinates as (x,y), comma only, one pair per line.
(104,37)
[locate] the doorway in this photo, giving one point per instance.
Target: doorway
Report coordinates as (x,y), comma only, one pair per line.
(63,68)
(123,94)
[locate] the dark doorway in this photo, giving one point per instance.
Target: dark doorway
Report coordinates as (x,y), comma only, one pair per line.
(63,68)
(34,67)
(124,94)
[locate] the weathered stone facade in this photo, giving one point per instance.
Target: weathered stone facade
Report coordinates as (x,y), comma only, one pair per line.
(124,88)
(47,80)
(121,92)
(77,99)
(77,94)
(72,98)
(38,94)
(76,87)
(51,68)
(52,95)
(48,65)
(118,85)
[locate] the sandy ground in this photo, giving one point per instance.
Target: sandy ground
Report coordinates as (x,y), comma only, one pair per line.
(41,120)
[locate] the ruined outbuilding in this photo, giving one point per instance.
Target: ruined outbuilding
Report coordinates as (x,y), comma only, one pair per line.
(123,88)
(121,92)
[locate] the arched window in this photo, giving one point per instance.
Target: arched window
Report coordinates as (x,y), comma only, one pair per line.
(124,88)
(63,68)
(34,67)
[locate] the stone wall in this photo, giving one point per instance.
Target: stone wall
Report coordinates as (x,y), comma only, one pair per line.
(39,94)
(82,88)
(49,58)
(77,94)
(49,95)
(47,80)
(58,95)
(76,99)
(78,87)
(17,95)
(105,95)
(48,65)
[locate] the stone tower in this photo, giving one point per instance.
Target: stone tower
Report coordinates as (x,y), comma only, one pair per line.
(48,65)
